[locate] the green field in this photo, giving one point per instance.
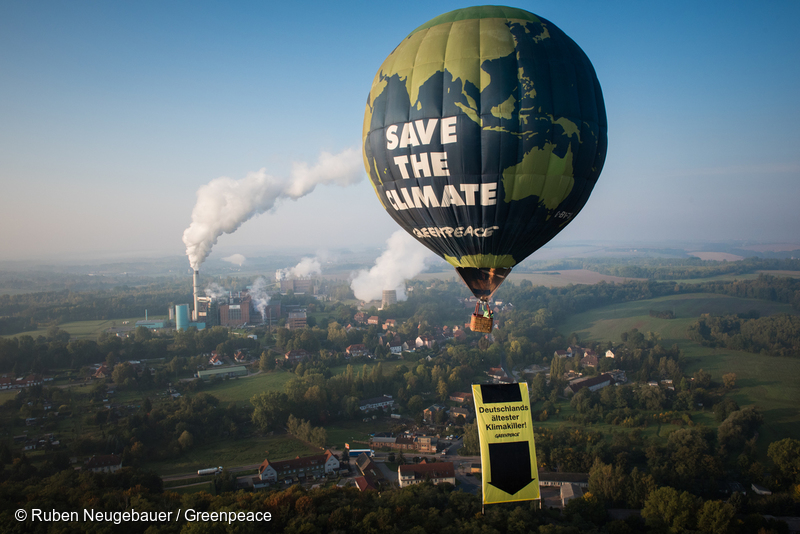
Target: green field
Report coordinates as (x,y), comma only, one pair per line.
(242,389)
(765,381)
(87,329)
(234,453)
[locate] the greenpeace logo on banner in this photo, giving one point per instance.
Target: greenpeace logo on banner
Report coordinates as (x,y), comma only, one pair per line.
(431,165)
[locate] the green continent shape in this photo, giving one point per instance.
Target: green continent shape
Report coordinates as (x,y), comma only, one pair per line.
(540,173)
(482,261)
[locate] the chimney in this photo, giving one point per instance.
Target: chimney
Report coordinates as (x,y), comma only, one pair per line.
(195,281)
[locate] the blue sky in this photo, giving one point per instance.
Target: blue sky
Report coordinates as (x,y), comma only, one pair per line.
(113,114)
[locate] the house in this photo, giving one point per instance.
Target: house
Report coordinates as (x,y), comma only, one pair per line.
(374,320)
(560,354)
(569,492)
(364,484)
(102,372)
(609,354)
(240,357)
(370,470)
(461,397)
(295,356)
(356,350)
(462,412)
(306,467)
(426,443)
(360,317)
(425,341)
(390,324)
(498,375)
(215,359)
(589,360)
(436,472)
(593,383)
(395,348)
(368,405)
(430,412)
(108,463)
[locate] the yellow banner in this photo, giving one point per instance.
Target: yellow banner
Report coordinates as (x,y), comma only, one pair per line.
(508,455)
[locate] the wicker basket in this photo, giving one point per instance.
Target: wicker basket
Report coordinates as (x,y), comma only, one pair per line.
(479,323)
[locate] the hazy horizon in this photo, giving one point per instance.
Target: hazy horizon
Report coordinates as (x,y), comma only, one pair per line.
(115,115)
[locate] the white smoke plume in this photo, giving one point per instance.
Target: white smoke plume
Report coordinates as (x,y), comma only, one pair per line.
(405,258)
(306,267)
(215,291)
(224,204)
(236,259)
(258,293)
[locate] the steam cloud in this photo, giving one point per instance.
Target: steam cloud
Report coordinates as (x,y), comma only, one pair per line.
(258,293)
(306,267)
(405,258)
(215,291)
(224,204)
(236,259)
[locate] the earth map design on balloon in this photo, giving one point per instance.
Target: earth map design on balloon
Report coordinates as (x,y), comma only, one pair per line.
(484,134)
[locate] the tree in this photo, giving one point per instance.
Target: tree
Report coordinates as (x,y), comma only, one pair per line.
(266,363)
(702,379)
(186,440)
(667,508)
(441,389)
(729,380)
(785,454)
(415,404)
(715,517)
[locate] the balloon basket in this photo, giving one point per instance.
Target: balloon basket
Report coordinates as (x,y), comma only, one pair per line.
(479,323)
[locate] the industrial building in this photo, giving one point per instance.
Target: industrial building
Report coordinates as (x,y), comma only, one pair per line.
(225,372)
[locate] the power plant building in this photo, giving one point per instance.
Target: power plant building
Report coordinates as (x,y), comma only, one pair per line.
(297,286)
(236,312)
(297,320)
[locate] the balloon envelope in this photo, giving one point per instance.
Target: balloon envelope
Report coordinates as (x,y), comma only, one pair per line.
(484,134)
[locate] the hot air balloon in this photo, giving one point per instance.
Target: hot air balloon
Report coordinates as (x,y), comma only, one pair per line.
(484,134)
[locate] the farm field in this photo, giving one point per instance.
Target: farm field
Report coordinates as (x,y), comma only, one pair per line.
(765,381)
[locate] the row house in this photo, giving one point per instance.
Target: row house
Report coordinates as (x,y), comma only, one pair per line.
(384,401)
(436,472)
(107,463)
(402,443)
(8,382)
(306,467)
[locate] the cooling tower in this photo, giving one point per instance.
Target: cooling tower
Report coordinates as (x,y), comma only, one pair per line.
(389,298)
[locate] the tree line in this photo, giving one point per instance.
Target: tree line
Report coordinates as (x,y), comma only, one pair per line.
(776,335)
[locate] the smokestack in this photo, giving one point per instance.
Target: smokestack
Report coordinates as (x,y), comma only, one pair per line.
(195,281)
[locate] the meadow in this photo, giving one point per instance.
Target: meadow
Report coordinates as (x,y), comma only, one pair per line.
(765,381)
